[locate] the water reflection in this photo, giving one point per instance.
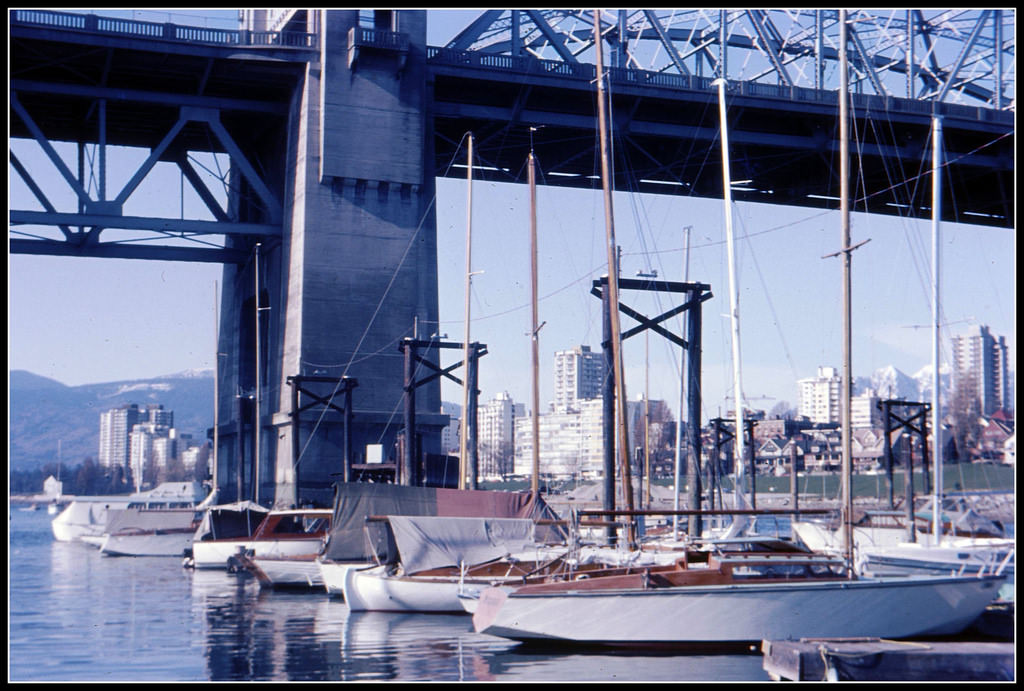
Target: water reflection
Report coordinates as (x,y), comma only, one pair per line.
(254,634)
(76,615)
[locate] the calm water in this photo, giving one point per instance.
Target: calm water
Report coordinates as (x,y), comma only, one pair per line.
(75,615)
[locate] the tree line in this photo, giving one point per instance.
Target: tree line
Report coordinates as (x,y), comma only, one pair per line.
(90,478)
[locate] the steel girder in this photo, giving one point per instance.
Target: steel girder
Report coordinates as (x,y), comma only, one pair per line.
(961,56)
(98,94)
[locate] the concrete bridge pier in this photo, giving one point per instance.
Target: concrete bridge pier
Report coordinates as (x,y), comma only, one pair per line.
(356,270)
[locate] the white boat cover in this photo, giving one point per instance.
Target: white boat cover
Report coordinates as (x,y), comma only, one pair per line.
(429,542)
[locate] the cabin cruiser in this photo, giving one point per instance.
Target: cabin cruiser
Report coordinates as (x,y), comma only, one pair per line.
(86,518)
(287,532)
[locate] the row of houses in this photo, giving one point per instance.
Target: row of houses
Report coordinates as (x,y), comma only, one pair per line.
(818,448)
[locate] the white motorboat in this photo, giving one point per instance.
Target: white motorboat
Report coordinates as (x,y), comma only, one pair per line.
(142,532)
(88,516)
(282,533)
(951,556)
(221,530)
(734,599)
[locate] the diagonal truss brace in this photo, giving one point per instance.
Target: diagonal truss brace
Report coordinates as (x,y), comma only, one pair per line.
(101,214)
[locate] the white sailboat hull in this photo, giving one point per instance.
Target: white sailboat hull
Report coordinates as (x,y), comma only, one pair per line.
(214,554)
(334,573)
(883,608)
(81,518)
(172,544)
(289,572)
(373,590)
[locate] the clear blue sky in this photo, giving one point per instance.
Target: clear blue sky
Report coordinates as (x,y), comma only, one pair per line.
(92,320)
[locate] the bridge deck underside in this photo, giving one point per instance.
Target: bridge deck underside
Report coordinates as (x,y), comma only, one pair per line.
(666,142)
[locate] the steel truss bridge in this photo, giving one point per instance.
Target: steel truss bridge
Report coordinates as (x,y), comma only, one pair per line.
(518,79)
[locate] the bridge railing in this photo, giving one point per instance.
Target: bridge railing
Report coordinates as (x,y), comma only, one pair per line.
(582,71)
(166,31)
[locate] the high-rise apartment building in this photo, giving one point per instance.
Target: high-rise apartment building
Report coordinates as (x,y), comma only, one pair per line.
(496,434)
(115,434)
(819,399)
(981,369)
(156,414)
(571,440)
(578,376)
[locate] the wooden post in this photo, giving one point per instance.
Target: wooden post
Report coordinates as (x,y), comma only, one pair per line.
(408,466)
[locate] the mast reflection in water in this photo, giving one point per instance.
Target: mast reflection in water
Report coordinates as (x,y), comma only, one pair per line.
(76,615)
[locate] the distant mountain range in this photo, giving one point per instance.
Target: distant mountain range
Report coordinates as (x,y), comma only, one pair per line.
(44,412)
(889,382)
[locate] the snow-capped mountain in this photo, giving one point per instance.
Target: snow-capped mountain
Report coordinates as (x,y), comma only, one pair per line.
(889,382)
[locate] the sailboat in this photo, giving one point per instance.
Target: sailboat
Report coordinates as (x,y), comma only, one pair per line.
(740,597)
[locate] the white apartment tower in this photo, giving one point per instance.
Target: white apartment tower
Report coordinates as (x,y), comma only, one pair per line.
(496,434)
(819,396)
(980,367)
(115,434)
(578,376)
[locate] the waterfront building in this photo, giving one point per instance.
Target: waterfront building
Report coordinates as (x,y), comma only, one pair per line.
(579,373)
(864,411)
(450,432)
(156,414)
(819,399)
(572,440)
(194,456)
(981,370)
(496,435)
(115,432)
(142,459)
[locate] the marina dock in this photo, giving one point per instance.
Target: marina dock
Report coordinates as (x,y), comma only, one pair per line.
(875,659)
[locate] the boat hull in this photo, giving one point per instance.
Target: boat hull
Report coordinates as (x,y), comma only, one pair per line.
(215,554)
(334,573)
(288,572)
(83,518)
(959,559)
(171,544)
(880,608)
(373,590)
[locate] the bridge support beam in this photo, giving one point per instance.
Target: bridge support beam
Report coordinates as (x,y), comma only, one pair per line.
(357,269)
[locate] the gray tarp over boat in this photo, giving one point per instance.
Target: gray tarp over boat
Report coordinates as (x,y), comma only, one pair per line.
(354,501)
(135,520)
(431,542)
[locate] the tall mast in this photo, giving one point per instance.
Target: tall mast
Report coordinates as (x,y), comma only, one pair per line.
(682,401)
(535,327)
(734,307)
(256,416)
(216,385)
(463,459)
(613,279)
(845,251)
(936,390)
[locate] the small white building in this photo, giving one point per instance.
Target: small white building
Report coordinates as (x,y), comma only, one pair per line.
(52,487)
